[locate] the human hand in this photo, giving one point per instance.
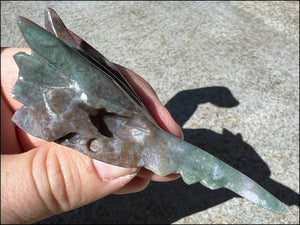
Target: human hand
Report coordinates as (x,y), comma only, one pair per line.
(40,178)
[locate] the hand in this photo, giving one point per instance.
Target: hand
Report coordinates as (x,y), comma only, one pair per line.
(40,178)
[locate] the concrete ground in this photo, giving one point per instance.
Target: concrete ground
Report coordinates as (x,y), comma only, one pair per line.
(229,74)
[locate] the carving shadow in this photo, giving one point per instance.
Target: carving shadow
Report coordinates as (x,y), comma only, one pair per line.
(171,201)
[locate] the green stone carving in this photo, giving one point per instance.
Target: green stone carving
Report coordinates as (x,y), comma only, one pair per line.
(74,96)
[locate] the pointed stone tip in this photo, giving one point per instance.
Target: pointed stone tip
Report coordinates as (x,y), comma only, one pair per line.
(281,209)
(48,10)
(273,204)
(22,21)
(51,19)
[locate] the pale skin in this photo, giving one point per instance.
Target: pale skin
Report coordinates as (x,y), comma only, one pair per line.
(40,178)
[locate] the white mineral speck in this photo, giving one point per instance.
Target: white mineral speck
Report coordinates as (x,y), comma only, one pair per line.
(83,96)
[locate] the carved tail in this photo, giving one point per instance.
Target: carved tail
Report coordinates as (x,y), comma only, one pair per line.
(197,165)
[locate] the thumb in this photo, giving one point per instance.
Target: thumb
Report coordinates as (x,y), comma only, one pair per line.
(52,179)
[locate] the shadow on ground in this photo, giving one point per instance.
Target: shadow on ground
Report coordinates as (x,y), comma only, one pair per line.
(169,202)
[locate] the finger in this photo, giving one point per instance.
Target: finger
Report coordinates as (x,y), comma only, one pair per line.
(28,141)
(142,179)
(135,185)
(148,96)
(147,174)
(52,179)
(9,140)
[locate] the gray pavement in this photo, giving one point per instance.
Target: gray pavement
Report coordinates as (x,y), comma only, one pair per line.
(229,74)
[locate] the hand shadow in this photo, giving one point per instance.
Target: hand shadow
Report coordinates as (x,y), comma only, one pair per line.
(228,147)
(171,201)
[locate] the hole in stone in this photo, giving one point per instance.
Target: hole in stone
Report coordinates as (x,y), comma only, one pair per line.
(96,117)
(97,120)
(72,137)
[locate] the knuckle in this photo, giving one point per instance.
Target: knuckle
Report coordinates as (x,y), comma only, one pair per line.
(55,179)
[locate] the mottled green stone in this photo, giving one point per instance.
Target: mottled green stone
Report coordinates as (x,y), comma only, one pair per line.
(75,97)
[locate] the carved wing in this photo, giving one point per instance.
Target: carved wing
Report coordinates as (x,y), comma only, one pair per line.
(75,96)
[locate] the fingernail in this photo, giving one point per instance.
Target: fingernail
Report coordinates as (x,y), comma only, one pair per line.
(110,172)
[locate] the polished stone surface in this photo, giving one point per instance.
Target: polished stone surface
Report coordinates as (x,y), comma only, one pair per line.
(213,54)
(70,95)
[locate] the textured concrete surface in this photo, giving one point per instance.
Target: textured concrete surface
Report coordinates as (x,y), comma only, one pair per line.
(229,74)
